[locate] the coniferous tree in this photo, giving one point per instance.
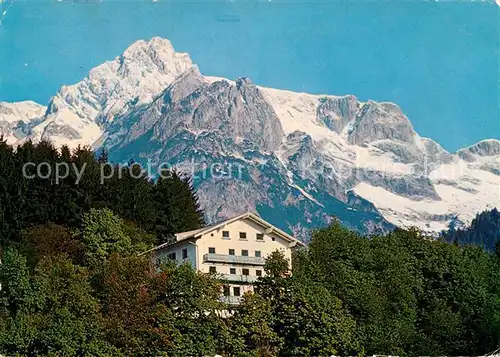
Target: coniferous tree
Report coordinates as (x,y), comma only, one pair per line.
(484,231)
(163,207)
(177,206)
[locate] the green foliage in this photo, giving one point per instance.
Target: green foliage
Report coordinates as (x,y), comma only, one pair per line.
(313,322)
(277,266)
(51,312)
(140,239)
(400,293)
(178,210)
(253,328)
(49,240)
(484,231)
(160,207)
(73,284)
(130,294)
(102,234)
(18,299)
(69,322)
(17,293)
(193,299)
(307,318)
(408,294)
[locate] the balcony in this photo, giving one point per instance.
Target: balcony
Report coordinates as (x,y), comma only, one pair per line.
(230,300)
(233,259)
(238,278)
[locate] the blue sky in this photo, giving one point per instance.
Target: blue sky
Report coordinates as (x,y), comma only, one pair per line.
(438,61)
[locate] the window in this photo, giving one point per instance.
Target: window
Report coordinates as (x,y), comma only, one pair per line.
(184,253)
(243,235)
(258,272)
(231,251)
(236,291)
(211,250)
(232,270)
(212,270)
(245,271)
(226,290)
(257,253)
(244,253)
(260,236)
(225,234)
(273,239)
(172,256)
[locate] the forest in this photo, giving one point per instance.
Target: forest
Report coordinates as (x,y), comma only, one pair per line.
(73,282)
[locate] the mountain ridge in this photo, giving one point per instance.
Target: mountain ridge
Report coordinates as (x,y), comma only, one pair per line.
(322,151)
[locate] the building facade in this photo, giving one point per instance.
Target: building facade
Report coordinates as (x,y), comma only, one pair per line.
(235,250)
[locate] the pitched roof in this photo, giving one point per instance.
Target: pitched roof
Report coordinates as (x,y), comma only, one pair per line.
(197,233)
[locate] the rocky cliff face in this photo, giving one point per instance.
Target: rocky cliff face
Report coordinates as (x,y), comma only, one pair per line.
(336,113)
(297,159)
(485,148)
(381,121)
(237,112)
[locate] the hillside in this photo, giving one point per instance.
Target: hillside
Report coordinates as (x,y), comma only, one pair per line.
(484,231)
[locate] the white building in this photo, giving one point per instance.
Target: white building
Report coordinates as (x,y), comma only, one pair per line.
(234,249)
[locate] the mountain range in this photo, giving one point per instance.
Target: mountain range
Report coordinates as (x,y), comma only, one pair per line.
(297,159)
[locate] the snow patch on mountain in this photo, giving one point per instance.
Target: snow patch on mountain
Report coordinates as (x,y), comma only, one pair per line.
(16,118)
(24,111)
(463,191)
(64,127)
(297,112)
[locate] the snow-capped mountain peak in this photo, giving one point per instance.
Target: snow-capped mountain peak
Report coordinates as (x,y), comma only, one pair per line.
(139,74)
(484,148)
(79,113)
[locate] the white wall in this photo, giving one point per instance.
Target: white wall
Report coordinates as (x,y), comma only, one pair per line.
(222,246)
(198,248)
(163,253)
